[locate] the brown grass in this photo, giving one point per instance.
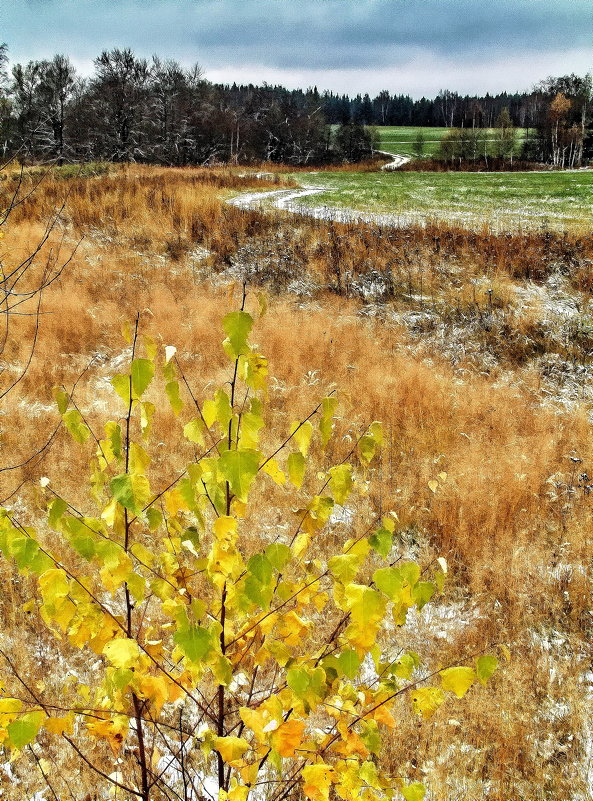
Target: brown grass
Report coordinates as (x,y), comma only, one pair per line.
(512,517)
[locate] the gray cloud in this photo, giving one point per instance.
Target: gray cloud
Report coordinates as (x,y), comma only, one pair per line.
(290,36)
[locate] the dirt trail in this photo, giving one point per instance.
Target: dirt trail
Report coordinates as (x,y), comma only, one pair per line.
(287,200)
(397,160)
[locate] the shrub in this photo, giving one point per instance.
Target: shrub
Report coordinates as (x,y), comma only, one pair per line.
(226,664)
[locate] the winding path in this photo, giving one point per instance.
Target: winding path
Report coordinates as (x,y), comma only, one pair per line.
(397,160)
(287,200)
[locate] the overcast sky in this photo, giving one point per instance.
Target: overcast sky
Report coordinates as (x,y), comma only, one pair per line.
(406,46)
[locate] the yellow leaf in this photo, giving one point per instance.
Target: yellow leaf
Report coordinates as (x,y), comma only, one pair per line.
(457,680)
(60,725)
(301,544)
(122,653)
(271,469)
(114,730)
(174,502)
(383,715)
(317,780)
(139,459)
(155,689)
(426,700)
(433,485)
(256,720)
(231,749)
(126,332)
(505,651)
(293,629)
(8,706)
(238,793)
(351,743)
(288,737)
(224,559)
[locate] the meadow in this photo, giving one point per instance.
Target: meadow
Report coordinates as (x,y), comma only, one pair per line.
(473,347)
(559,200)
(400,139)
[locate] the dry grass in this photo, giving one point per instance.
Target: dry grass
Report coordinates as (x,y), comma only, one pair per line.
(512,518)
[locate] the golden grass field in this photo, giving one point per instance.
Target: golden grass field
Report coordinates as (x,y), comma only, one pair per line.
(459,355)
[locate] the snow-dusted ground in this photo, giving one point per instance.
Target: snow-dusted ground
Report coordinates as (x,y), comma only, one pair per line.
(286,200)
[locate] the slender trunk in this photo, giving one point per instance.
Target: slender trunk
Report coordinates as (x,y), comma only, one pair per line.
(136,702)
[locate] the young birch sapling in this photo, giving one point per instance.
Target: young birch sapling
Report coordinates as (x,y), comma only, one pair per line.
(223,669)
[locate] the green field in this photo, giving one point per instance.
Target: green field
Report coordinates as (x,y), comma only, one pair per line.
(400,139)
(554,199)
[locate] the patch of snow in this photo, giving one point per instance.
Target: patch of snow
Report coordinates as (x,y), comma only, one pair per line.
(341,514)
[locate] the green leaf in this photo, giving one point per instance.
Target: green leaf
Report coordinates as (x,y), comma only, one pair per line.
(28,556)
(194,641)
(349,663)
(132,491)
(56,510)
(78,429)
(121,384)
(296,465)
(381,541)
(457,680)
(326,425)
(414,792)
(142,375)
(258,593)
(172,390)
(218,410)
(112,445)
(24,730)
(121,678)
(368,444)
(154,517)
(371,736)
(239,468)
(344,567)
(298,681)
(80,537)
(340,482)
(389,580)
(237,326)
(410,572)
(278,554)
(260,567)
(406,665)
(194,431)
(423,592)
(485,667)
(61,398)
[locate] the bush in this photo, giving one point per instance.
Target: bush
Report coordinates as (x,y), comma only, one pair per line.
(226,664)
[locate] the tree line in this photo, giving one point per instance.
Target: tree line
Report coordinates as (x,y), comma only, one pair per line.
(133,109)
(156,111)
